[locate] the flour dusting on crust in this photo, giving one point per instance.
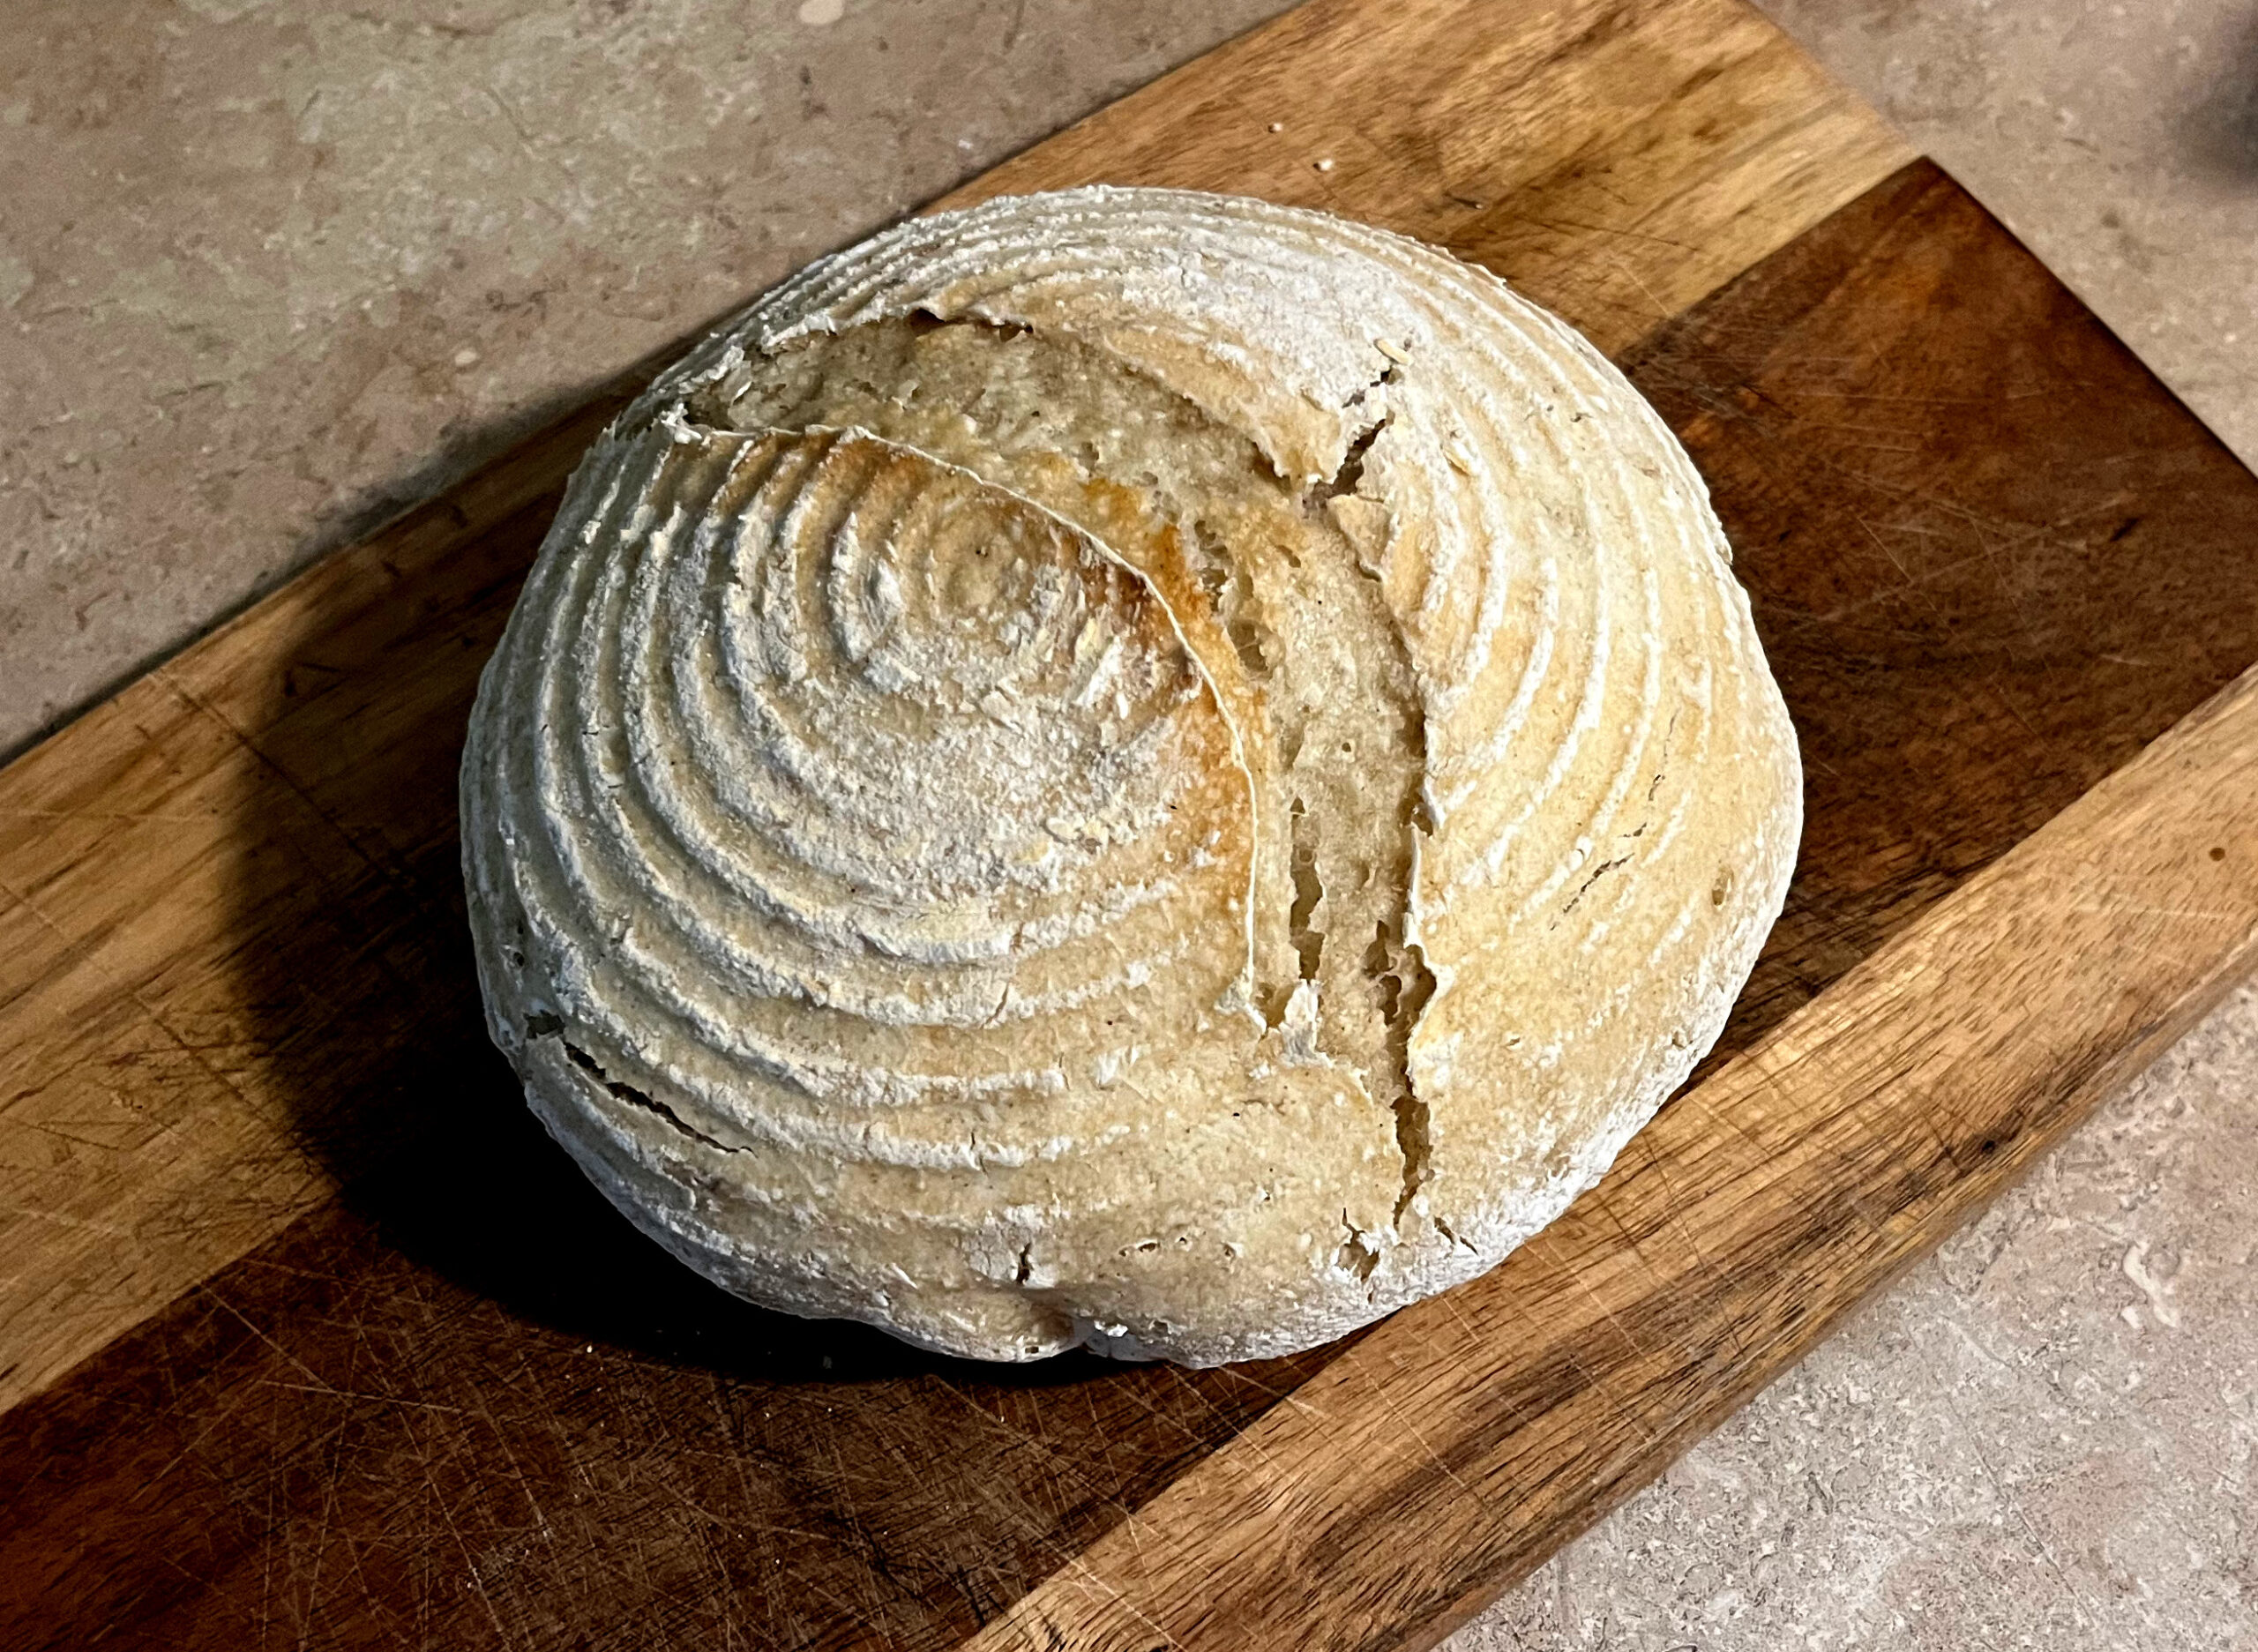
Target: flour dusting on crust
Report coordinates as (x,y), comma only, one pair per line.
(1122,768)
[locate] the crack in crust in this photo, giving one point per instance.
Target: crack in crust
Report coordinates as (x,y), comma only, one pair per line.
(634,1097)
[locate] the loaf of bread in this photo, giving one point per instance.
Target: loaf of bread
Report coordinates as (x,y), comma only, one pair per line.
(1126,769)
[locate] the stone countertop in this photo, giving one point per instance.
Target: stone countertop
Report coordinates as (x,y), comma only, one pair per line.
(249,247)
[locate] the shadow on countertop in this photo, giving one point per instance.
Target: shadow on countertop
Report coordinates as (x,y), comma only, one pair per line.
(2218,133)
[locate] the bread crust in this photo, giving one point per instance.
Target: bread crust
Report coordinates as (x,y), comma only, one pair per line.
(1122,768)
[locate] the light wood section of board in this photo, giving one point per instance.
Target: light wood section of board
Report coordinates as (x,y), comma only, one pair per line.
(1498,1419)
(1617,161)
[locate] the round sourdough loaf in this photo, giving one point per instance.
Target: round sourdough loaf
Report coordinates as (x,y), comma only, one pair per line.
(1122,768)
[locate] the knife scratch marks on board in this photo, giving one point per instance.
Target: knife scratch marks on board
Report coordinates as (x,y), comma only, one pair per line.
(208,1294)
(1646,1263)
(121,816)
(1720,1283)
(1458,1315)
(1251,1438)
(995,1420)
(1698,1098)
(2118,906)
(1426,1448)
(356,1393)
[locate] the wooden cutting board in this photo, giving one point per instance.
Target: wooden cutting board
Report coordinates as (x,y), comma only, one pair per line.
(308,1336)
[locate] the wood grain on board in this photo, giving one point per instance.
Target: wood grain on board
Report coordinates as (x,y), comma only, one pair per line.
(468,1406)
(231,974)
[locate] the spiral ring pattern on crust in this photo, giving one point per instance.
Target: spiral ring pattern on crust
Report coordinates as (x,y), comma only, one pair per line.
(863,847)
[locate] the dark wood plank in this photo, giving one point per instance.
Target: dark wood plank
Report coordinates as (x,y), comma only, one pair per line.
(495,1416)
(1991,556)
(387,1425)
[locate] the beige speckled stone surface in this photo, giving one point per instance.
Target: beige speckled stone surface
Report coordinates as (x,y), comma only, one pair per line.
(268,270)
